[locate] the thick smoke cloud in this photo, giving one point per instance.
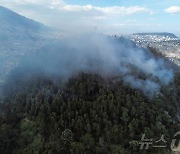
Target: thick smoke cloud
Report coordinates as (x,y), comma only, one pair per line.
(103,55)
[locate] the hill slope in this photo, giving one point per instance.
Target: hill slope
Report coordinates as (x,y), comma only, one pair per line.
(18,36)
(16,26)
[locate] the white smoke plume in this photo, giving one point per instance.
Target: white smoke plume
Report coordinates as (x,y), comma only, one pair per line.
(107,56)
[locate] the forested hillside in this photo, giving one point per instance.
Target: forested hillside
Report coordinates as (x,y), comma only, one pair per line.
(87,113)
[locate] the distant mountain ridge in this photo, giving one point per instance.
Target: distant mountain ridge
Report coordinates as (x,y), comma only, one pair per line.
(10,18)
(171,35)
(19,36)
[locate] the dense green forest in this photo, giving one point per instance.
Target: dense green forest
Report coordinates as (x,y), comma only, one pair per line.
(87,113)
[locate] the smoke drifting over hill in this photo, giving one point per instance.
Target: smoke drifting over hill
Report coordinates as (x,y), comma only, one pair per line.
(102,55)
(77,52)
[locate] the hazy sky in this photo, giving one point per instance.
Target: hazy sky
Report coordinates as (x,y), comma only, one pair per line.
(109,16)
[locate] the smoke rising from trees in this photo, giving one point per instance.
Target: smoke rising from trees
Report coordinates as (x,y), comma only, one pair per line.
(102,55)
